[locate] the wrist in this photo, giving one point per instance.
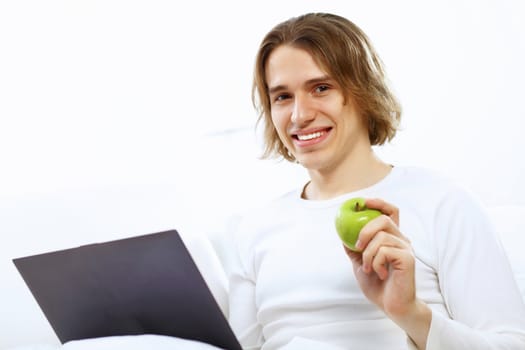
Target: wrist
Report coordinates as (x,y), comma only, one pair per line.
(415,320)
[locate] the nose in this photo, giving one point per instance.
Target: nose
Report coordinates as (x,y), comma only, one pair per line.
(303,111)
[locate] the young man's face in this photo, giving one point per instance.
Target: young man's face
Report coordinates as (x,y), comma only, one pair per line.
(313,120)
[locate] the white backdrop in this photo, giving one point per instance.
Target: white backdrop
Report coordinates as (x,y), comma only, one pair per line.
(121,117)
(96,94)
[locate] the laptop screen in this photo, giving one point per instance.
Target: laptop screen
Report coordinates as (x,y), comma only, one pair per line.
(146,284)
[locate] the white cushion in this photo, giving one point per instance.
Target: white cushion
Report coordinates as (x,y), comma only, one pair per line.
(137,342)
(508,222)
(38,223)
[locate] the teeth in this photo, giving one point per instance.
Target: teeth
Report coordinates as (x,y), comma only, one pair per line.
(309,136)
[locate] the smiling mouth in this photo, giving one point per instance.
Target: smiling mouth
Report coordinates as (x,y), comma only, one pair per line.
(314,135)
(310,136)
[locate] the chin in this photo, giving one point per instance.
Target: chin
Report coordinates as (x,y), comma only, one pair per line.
(309,163)
(315,159)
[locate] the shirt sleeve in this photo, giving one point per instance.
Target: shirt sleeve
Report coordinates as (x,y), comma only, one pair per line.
(481,295)
(242,305)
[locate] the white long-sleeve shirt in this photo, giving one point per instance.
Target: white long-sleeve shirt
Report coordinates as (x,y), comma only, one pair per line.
(294,286)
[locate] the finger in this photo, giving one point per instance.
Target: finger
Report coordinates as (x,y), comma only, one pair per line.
(382,223)
(355,257)
(391,258)
(384,207)
(381,239)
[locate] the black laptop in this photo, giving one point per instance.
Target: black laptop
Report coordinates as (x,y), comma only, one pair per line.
(146,284)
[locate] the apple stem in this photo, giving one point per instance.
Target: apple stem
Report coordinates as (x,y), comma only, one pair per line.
(357,208)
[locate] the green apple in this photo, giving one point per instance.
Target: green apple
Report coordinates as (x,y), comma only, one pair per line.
(351,217)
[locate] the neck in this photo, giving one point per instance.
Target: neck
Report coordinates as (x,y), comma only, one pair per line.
(358,171)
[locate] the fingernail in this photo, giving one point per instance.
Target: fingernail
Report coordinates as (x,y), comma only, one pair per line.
(358,244)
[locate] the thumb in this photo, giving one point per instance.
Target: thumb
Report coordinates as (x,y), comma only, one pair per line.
(355,257)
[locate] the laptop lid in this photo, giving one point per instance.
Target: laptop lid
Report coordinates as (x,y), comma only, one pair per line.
(146,284)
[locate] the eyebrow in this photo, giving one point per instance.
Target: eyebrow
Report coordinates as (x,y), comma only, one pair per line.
(312,81)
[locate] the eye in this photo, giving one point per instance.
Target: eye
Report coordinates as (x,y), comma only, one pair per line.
(321,88)
(281,97)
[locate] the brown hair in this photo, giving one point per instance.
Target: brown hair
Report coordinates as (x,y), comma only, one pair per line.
(344,51)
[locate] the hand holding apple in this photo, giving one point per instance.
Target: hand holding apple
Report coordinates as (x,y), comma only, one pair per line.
(351,217)
(385,268)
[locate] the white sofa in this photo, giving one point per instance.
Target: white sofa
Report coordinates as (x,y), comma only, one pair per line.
(39,223)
